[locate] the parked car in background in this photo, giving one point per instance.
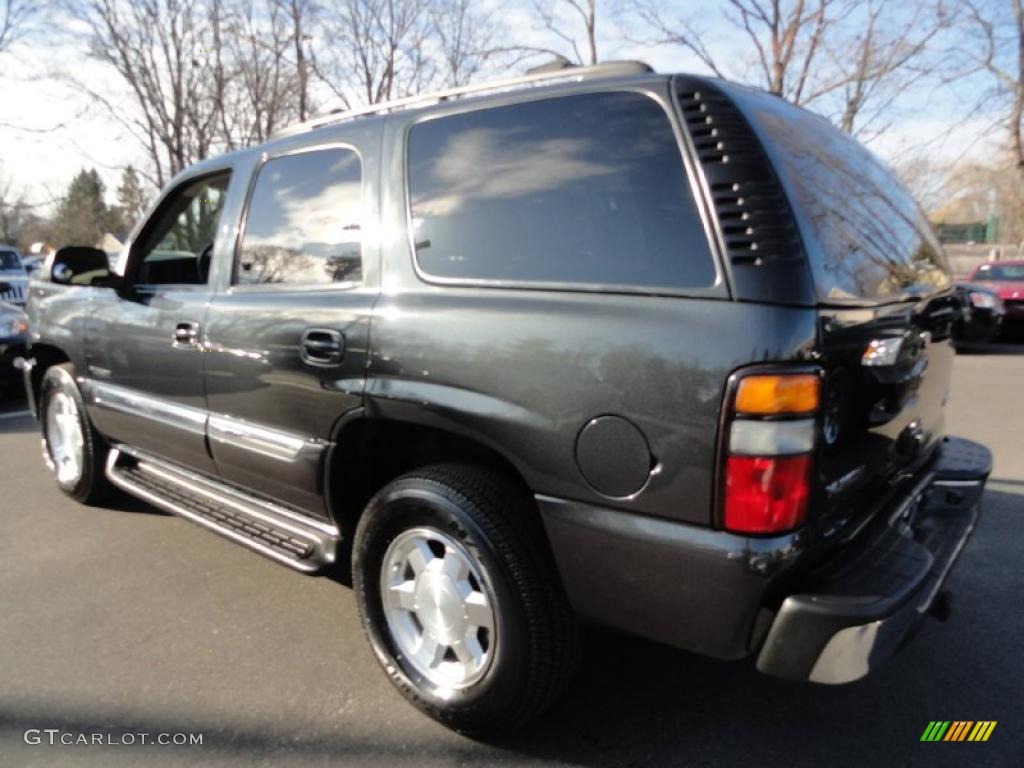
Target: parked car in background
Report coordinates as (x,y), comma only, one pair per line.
(32,265)
(13,343)
(13,277)
(981,313)
(1006,280)
(657,352)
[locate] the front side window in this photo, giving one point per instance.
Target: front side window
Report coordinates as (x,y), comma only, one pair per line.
(304,224)
(585,189)
(178,247)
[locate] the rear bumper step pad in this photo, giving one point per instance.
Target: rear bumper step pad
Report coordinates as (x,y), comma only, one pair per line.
(863,607)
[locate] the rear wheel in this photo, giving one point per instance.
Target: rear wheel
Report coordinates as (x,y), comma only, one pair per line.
(461,600)
(72,449)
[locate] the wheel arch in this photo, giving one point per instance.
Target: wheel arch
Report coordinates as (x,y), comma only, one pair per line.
(368,452)
(43,356)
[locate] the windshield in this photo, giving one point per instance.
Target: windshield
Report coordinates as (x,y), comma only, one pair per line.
(9,262)
(1000,272)
(872,240)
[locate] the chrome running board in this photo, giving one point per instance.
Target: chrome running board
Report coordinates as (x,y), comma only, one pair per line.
(278,533)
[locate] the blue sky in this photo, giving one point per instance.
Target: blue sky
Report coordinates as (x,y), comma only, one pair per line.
(932,120)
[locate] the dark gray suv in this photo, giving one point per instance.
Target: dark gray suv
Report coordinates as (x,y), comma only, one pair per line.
(657,352)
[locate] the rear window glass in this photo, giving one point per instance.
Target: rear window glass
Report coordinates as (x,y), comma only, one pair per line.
(875,243)
(1000,272)
(587,189)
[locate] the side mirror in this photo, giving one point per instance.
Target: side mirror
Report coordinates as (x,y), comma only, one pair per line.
(79,265)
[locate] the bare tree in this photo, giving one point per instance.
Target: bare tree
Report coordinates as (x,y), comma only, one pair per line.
(786,37)
(373,50)
(15,16)
(883,58)
(156,47)
(299,12)
(465,37)
(563,19)
(13,211)
(258,88)
(993,42)
(198,75)
(850,59)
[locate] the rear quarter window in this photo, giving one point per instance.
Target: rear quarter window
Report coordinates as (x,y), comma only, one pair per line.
(583,190)
(873,241)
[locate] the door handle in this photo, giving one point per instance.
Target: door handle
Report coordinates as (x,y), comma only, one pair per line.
(186,333)
(322,346)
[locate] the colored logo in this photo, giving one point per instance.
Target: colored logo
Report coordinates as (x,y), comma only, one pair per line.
(958,730)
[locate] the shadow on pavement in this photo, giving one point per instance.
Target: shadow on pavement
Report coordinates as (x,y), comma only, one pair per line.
(18,425)
(634,703)
(14,416)
(122,502)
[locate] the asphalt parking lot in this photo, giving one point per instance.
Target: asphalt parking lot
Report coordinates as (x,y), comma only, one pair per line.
(126,620)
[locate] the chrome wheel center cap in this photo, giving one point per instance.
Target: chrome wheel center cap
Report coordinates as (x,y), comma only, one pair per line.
(439,606)
(439,610)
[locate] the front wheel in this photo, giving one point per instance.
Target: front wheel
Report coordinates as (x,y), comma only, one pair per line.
(460,598)
(72,449)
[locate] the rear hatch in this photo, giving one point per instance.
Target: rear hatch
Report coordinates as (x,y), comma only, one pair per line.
(883,294)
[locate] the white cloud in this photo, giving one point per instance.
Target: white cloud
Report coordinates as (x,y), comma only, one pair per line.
(40,161)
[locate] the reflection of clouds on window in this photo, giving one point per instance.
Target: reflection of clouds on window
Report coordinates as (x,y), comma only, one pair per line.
(304,223)
(588,188)
(489,163)
(874,239)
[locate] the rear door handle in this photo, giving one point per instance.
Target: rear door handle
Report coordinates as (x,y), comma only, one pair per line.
(186,333)
(322,346)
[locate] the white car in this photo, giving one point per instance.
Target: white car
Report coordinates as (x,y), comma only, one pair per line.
(32,265)
(13,276)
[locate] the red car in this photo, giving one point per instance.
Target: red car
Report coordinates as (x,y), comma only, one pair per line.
(1006,279)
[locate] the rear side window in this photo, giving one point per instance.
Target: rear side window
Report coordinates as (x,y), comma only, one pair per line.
(587,189)
(874,241)
(304,224)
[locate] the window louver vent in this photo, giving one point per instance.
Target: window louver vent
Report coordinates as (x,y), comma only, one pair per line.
(756,221)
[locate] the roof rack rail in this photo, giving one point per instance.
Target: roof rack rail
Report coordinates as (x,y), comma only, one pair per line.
(557,69)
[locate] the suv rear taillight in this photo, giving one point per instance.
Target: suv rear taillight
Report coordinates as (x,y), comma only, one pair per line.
(768,438)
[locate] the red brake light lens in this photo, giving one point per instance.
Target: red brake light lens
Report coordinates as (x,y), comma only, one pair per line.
(766,494)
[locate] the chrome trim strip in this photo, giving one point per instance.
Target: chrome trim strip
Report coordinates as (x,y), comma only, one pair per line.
(272,443)
(266,441)
(134,403)
(322,554)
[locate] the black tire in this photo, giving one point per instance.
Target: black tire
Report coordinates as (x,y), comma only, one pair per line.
(91,485)
(491,517)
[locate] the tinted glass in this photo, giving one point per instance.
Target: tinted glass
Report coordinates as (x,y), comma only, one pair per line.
(305,221)
(179,246)
(1000,272)
(9,261)
(581,189)
(875,241)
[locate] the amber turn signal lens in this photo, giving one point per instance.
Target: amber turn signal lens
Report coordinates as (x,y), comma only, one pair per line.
(786,393)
